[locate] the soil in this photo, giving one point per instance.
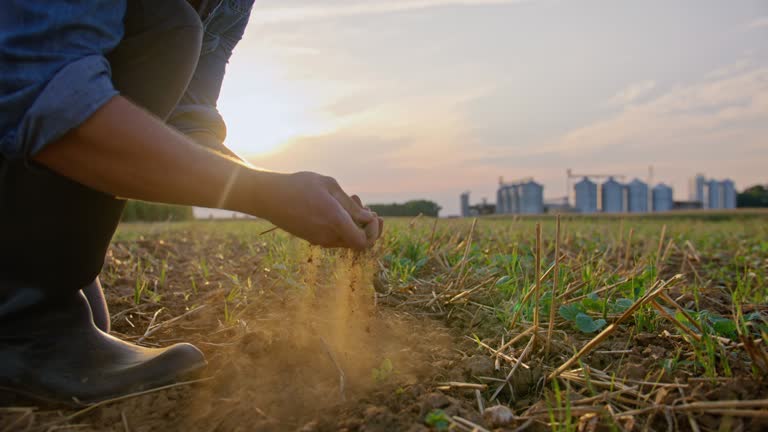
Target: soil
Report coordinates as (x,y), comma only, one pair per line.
(307,344)
(275,364)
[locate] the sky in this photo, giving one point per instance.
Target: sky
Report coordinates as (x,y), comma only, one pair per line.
(410,99)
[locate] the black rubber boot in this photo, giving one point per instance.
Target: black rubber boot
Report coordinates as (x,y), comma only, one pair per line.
(55,233)
(99,309)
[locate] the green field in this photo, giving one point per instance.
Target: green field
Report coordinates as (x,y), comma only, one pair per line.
(636,323)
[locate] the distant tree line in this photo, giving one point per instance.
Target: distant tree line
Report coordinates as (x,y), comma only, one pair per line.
(410,208)
(154,212)
(755,196)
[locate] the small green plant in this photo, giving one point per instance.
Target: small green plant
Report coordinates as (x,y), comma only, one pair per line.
(583,322)
(163,274)
(438,419)
(384,371)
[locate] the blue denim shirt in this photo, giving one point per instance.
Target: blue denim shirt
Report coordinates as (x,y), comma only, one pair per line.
(54,74)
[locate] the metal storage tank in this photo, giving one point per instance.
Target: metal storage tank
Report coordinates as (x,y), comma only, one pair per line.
(514,199)
(465,204)
(531,197)
(499,201)
(586,195)
(714,198)
(637,196)
(508,199)
(662,198)
(728,194)
(696,192)
(613,196)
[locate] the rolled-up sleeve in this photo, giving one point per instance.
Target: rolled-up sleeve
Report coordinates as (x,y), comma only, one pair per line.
(53,70)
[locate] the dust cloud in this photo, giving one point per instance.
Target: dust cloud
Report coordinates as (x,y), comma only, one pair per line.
(306,349)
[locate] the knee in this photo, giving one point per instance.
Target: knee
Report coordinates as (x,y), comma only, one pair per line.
(184,19)
(161,18)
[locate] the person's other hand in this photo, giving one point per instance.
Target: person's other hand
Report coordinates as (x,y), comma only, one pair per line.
(315,208)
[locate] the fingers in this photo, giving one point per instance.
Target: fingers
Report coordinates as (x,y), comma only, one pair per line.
(353,206)
(349,232)
(372,232)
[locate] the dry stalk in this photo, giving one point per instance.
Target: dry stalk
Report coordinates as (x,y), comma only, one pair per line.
(468,246)
(151,323)
(653,293)
(507,357)
(342,378)
(517,338)
(480,404)
(628,248)
(466,423)
(658,251)
(92,407)
(514,368)
(528,295)
(555,278)
(674,320)
(151,330)
(687,316)
(432,237)
(125,421)
(691,419)
(461,385)
(537,296)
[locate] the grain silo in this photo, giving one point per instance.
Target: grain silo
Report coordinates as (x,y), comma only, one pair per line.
(696,189)
(514,198)
(586,195)
(499,201)
(713,197)
(637,196)
(613,196)
(662,198)
(531,197)
(465,204)
(728,194)
(509,199)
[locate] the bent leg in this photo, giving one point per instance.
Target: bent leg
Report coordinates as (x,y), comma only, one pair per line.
(55,233)
(152,66)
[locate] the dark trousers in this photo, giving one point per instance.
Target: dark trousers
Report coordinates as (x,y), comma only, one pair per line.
(54,232)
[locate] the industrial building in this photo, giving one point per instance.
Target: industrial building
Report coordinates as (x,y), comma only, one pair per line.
(464,202)
(468,210)
(586,196)
(613,196)
(711,193)
(520,197)
(661,197)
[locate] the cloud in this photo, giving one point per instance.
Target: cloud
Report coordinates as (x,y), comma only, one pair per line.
(758,23)
(281,14)
(632,93)
(739,101)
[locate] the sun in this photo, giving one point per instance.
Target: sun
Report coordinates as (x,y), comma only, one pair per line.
(263,108)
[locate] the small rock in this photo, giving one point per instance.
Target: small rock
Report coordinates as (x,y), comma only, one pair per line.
(479,365)
(433,401)
(498,416)
(312,426)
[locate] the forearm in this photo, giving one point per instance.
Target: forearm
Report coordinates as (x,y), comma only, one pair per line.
(123,150)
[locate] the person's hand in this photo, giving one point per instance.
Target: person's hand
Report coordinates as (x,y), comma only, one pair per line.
(315,208)
(374,229)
